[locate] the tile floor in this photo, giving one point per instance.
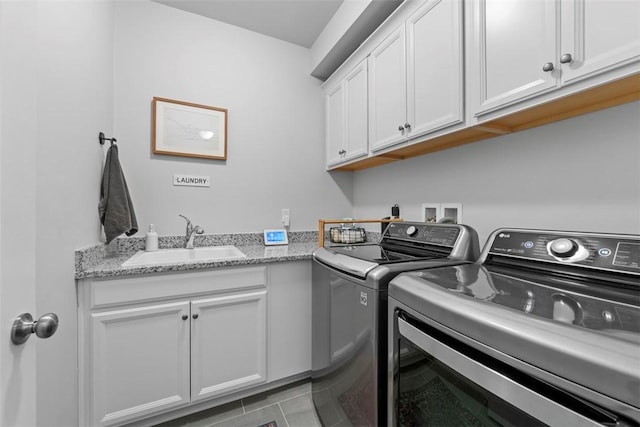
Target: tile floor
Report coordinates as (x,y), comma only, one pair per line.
(288,406)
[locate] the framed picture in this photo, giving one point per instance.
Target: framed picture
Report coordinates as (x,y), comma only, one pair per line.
(191,130)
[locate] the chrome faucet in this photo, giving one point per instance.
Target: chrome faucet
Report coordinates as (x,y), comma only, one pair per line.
(191,232)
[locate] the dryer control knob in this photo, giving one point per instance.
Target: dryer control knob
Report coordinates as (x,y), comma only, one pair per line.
(563,248)
(412,230)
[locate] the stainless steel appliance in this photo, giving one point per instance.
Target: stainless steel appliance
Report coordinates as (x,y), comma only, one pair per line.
(543,330)
(349,314)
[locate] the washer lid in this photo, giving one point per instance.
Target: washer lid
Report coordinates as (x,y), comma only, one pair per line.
(593,304)
(380,254)
(586,335)
(346,263)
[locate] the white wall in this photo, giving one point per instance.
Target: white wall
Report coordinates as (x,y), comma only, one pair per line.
(276,124)
(579,174)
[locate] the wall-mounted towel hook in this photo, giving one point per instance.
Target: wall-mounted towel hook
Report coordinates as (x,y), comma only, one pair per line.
(102,139)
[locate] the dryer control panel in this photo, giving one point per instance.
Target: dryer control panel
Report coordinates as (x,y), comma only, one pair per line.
(601,251)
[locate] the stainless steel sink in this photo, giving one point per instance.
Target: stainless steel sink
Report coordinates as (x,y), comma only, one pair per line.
(185,256)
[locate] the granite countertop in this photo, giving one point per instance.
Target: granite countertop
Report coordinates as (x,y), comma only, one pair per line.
(103,261)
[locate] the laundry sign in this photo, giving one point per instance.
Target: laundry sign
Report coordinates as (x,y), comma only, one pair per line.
(191,180)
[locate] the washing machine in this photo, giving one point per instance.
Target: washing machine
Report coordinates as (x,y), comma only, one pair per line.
(543,330)
(349,313)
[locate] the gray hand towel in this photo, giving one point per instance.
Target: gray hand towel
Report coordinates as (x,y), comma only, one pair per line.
(115,207)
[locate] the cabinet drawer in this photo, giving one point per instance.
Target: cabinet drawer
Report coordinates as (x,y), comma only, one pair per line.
(132,290)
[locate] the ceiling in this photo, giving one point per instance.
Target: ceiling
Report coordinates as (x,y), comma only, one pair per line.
(295,21)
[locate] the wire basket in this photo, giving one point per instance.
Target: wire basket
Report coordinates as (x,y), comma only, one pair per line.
(347,235)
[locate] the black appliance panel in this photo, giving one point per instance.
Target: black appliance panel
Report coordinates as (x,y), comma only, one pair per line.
(422,233)
(602,252)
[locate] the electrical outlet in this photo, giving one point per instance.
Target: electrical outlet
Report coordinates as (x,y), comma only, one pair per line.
(286,217)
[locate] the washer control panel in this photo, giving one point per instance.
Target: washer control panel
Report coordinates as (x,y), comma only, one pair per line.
(433,234)
(603,251)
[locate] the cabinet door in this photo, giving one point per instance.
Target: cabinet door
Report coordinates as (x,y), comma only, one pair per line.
(355,88)
(139,362)
(346,109)
(599,36)
(228,343)
(336,130)
(434,67)
(289,319)
(515,41)
(387,92)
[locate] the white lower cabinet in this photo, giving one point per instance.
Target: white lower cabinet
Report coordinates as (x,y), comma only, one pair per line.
(151,344)
(154,344)
(228,343)
(289,344)
(139,362)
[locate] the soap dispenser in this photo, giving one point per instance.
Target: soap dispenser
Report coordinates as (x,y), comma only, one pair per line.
(151,241)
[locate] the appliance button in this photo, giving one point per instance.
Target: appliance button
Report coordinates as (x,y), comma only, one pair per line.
(563,248)
(608,316)
(604,251)
(412,231)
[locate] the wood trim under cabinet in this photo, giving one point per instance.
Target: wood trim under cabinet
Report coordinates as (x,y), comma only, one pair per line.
(612,94)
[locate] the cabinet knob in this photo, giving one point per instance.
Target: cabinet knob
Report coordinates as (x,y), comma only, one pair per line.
(195,316)
(401,128)
(407,126)
(548,67)
(342,152)
(185,317)
(566,58)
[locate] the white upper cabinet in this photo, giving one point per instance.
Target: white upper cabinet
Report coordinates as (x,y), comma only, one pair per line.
(335,122)
(527,48)
(516,41)
(442,73)
(388,92)
(597,36)
(346,109)
(434,67)
(415,76)
(355,86)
